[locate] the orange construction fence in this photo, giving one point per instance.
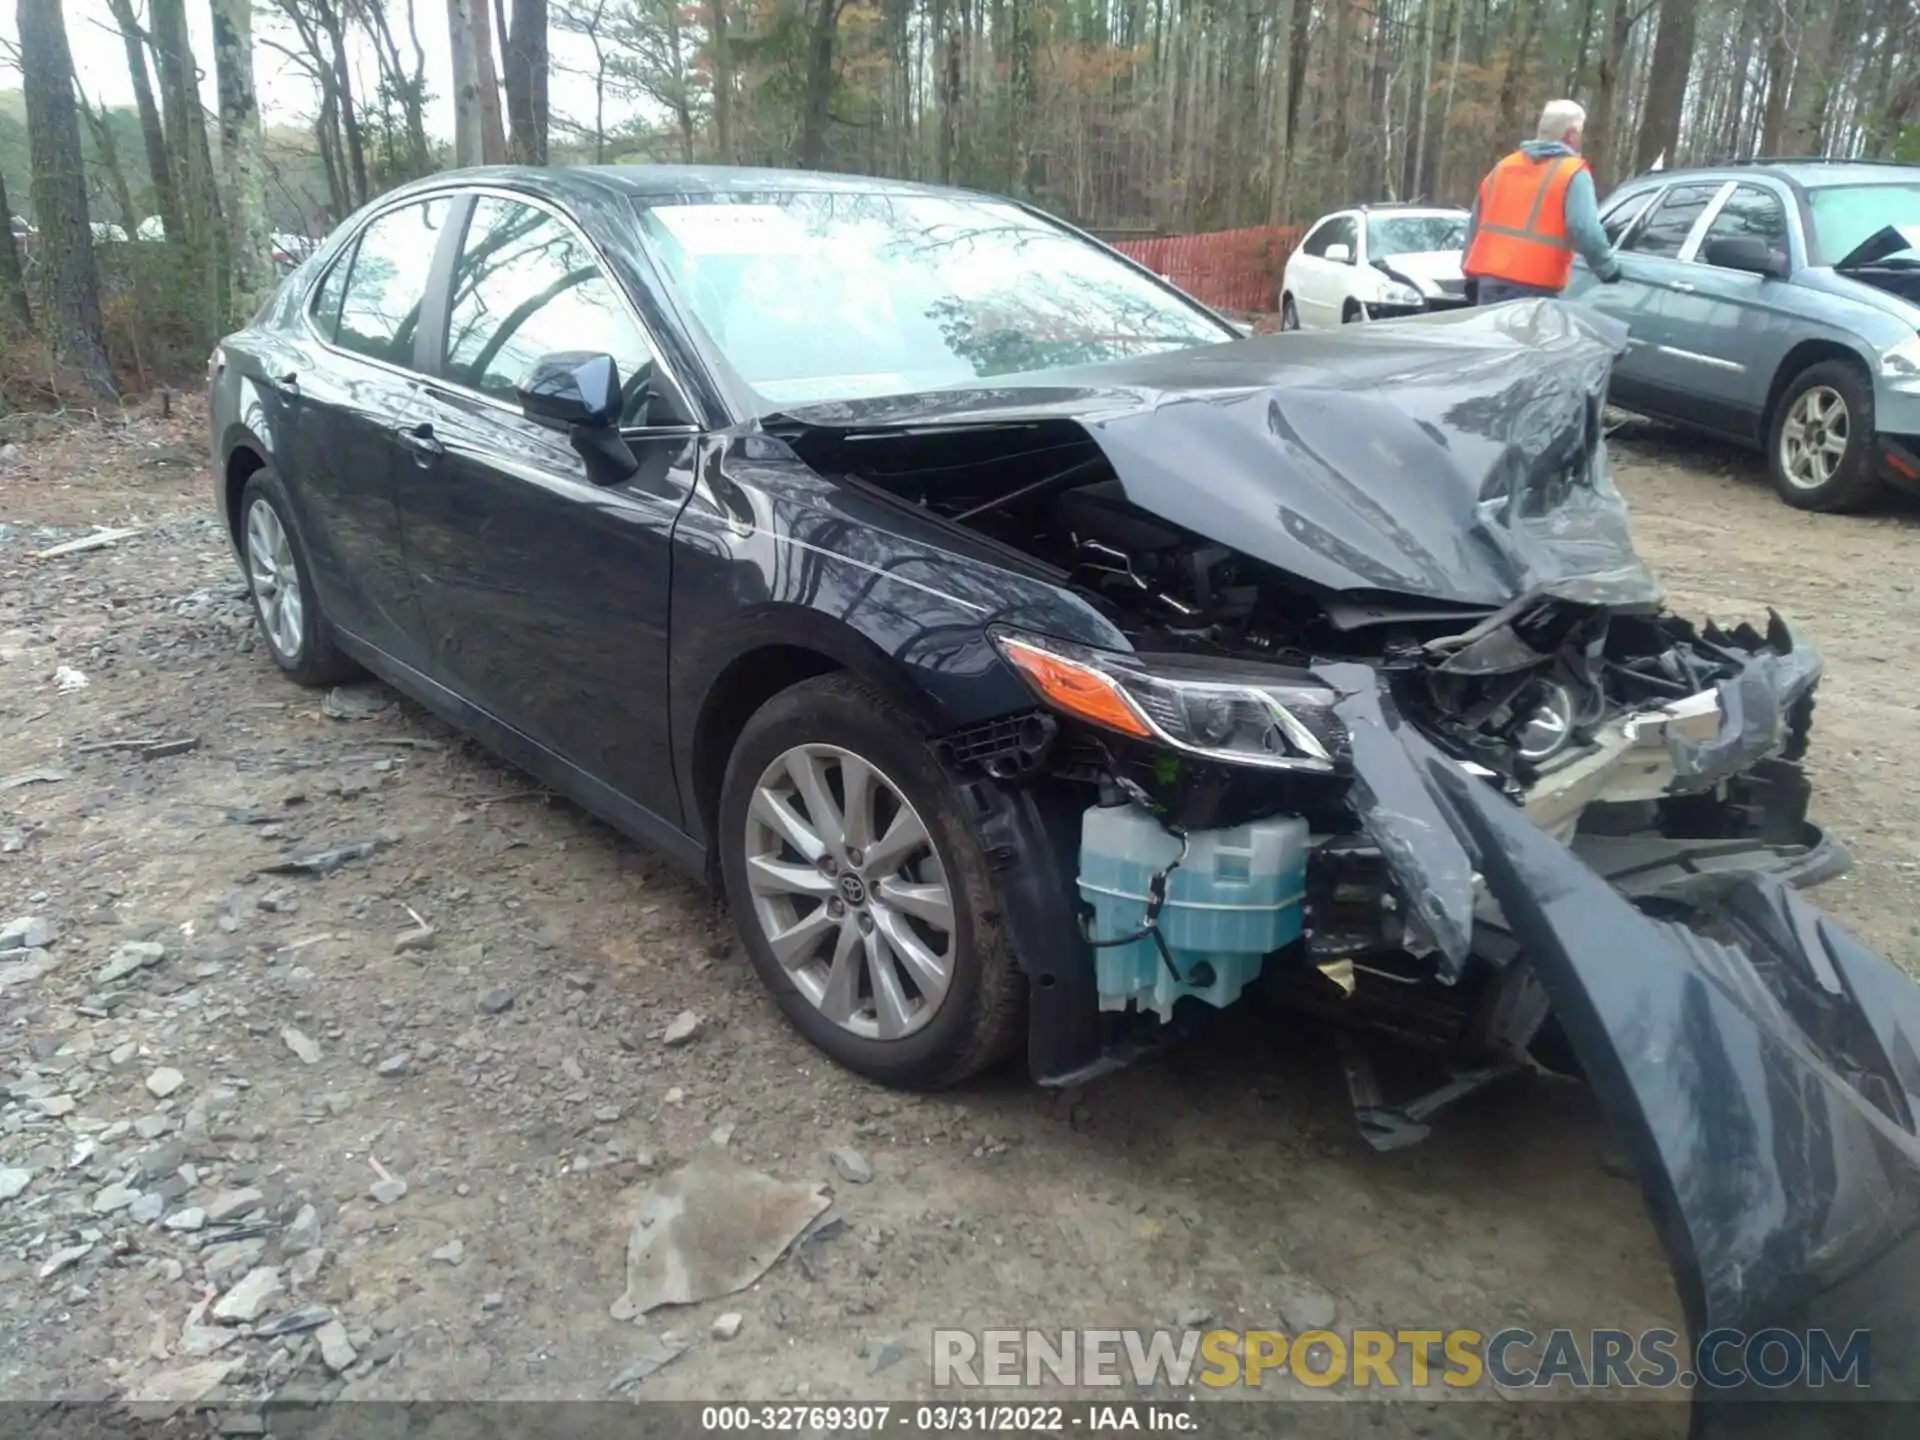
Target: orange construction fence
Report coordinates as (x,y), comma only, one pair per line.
(1227,269)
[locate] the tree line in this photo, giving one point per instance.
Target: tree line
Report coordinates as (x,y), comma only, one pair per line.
(1128,116)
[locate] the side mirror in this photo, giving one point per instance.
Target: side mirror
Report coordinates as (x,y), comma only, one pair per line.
(1747,253)
(1340,254)
(578,391)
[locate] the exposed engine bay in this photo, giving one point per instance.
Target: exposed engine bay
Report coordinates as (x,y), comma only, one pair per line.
(1297,573)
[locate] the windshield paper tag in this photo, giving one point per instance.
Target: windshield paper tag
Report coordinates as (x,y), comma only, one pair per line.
(734,229)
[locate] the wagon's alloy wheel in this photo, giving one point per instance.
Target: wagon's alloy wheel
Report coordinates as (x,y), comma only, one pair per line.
(275,576)
(849,891)
(1813,441)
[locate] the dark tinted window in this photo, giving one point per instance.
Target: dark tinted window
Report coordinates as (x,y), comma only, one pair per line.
(1751,214)
(1666,229)
(380,312)
(326,300)
(526,286)
(1622,213)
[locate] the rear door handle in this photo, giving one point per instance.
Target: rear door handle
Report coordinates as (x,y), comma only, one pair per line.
(1683,286)
(421,440)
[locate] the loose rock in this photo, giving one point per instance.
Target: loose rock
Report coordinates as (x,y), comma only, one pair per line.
(394,1066)
(61,1259)
(728,1325)
(851,1165)
(247,1300)
(306,1049)
(388,1191)
(303,1234)
(29,932)
(496,1002)
(305,1268)
(12,1182)
(1304,1307)
(189,1220)
(113,1199)
(336,1351)
(451,1253)
(164,1081)
(684,1027)
(411,941)
(127,958)
(147,1208)
(231,1204)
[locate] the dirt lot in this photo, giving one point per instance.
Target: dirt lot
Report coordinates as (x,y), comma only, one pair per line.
(516,1077)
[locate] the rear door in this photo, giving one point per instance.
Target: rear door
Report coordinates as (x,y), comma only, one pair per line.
(1730,329)
(356,389)
(545,593)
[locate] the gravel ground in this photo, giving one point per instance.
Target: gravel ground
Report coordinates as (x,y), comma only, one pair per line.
(221,1079)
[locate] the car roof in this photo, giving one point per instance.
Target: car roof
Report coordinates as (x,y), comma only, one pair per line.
(1807,174)
(656,181)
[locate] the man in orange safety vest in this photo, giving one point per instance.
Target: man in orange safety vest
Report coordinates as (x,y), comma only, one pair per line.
(1536,210)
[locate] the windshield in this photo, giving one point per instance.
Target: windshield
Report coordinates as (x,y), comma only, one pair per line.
(1415,235)
(1846,215)
(824,295)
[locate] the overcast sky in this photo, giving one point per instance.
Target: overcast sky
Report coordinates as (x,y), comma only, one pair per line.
(286,93)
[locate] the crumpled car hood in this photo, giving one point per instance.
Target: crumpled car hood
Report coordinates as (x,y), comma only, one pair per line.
(1455,457)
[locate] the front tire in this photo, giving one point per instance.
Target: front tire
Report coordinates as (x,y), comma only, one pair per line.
(280,577)
(1820,444)
(1289,313)
(860,892)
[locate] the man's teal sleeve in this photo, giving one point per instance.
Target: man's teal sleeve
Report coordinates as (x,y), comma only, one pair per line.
(1583,227)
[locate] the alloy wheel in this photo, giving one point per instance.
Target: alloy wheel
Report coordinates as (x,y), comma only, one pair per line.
(849,891)
(1813,440)
(275,577)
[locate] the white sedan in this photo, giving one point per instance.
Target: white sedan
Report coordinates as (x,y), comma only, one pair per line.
(1375,262)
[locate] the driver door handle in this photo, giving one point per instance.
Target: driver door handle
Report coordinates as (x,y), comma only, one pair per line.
(421,440)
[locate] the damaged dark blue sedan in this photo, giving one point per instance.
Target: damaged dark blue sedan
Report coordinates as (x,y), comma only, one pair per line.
(1036,662)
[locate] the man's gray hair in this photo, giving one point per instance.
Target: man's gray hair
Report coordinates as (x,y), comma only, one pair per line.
(1559,117)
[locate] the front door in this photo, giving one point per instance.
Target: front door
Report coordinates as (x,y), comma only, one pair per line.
(545,594)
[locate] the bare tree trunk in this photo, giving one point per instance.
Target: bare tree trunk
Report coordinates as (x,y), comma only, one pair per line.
(15,311)
(525,63)
(166,194)
(1435,183)
(1023,42)
(469,134)
(69,280)
(1518,54)
(103,141)
(1773,122)
(243,155)
(722,79)
(821,75)
(1417,183)
(203,243)
(14,308)
(1613,54)
(1667,84)
(493,132)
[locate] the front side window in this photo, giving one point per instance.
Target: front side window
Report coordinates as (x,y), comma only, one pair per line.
(815,295)
(526,286)
(1750,214)
(1622,213)
(387,284)
(1667,228)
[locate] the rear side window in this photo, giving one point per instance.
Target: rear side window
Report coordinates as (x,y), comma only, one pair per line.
(1667,228)
(380,307)
(526,286)
(325,311)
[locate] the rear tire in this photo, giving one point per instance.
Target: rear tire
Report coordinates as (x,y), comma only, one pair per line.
(1820,443)
(280,579)
(875,964)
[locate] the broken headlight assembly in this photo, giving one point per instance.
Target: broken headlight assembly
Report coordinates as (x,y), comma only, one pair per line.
(1261,716)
